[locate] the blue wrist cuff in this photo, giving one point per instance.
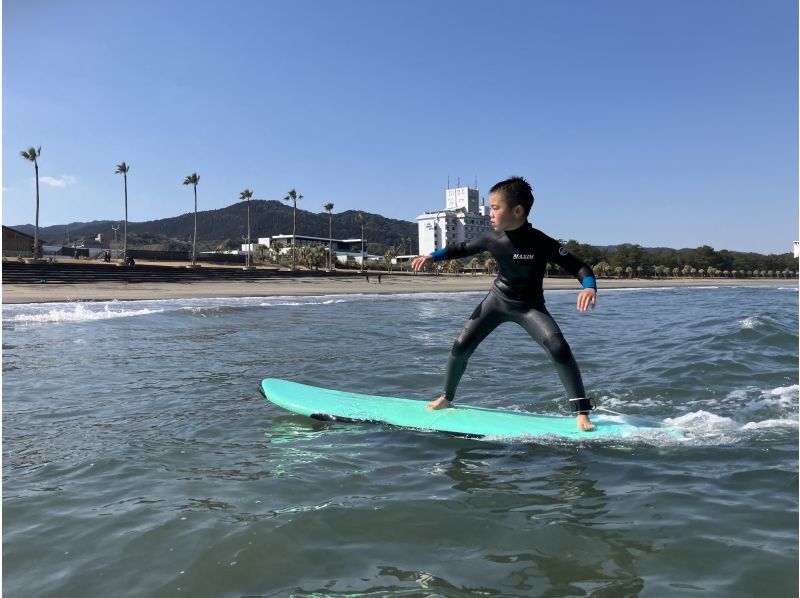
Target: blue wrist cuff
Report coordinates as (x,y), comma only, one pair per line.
(589,283)
(438,255)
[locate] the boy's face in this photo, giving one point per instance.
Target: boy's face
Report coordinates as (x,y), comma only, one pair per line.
(504,218)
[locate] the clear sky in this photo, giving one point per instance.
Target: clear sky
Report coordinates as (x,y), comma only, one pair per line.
(659,122)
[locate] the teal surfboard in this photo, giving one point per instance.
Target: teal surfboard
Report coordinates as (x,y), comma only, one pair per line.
(464,420)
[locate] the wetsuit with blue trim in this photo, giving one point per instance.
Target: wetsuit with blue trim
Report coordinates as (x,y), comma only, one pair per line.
(517,296)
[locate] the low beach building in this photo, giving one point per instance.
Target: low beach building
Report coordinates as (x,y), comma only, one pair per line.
(18,244)
(343,249)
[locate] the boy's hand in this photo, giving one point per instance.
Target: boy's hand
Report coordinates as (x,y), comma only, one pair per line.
(587,299)
(421,262)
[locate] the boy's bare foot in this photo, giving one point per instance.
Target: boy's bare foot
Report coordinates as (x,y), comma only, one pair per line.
(584,423)
(440,403)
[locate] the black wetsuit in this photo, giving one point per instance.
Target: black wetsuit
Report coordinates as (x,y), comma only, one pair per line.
(516,296)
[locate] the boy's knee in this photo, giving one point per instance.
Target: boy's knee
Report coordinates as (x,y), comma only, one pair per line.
(462,347)
(458,349)
(556,345)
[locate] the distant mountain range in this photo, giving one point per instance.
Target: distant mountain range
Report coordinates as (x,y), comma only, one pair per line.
(227,227)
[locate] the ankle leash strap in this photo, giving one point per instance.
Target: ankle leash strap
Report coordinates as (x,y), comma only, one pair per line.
(582,405)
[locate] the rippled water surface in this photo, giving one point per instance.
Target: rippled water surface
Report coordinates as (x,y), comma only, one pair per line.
(140,460)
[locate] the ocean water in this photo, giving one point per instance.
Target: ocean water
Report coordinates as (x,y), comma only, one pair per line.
(140,460)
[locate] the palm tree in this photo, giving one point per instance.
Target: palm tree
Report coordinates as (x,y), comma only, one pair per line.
(329,208)
(276,247)
(293,197)
(192,180)
(388,256)
(361,219)
(124,169)
(474,264)
(318,255)
(245,196)
(33,154)
(454,266)
(491,264)
(293,252)
(304,253)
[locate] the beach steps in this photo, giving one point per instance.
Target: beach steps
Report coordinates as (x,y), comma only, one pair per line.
(77,273)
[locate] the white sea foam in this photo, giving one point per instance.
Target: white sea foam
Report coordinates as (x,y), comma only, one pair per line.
(771,423)
(702,422)
(625,403)
(49,313)
(43,313)
(783,398)
(750,323)
(303,303)
(78,312)
(786,393)
(779,405)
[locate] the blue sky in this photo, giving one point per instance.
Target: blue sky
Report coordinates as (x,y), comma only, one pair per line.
(659,123)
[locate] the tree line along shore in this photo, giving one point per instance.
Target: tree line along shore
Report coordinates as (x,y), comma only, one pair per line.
(620,262)
(636,261)
(623,261)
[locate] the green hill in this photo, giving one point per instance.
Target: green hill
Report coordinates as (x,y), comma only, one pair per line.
(227,227)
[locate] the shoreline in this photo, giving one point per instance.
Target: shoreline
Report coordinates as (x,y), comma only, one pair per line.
(390,284)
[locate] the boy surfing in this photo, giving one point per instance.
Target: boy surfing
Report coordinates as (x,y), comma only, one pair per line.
(522,253)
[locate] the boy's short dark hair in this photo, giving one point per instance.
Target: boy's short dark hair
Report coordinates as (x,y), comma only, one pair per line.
(516,191)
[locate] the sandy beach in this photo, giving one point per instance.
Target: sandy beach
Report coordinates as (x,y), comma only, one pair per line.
(393,283)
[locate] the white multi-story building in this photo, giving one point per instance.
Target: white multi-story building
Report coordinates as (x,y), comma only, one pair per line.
(461,220)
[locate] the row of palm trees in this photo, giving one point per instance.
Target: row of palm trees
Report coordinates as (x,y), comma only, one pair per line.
(605,269)
(32,154)
(475,264)
(688,271)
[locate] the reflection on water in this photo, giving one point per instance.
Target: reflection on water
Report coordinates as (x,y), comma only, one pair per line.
(548,501)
